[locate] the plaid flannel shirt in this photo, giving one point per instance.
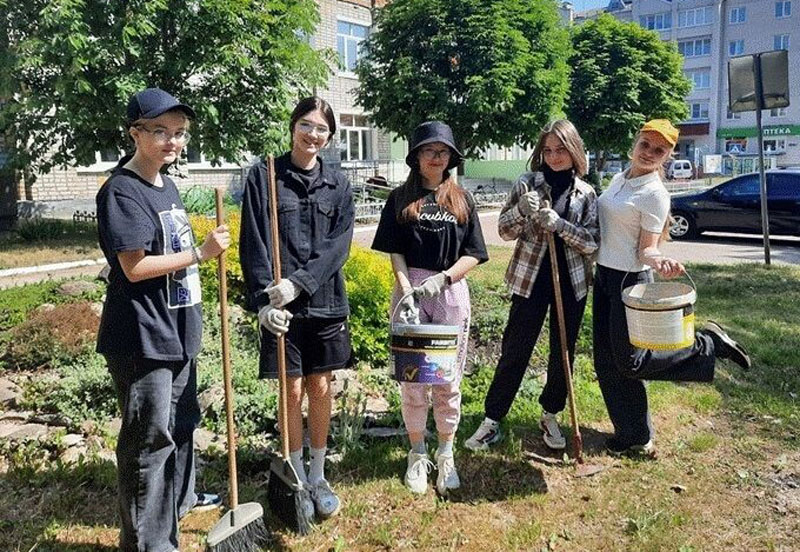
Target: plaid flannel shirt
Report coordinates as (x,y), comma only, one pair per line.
(579,230)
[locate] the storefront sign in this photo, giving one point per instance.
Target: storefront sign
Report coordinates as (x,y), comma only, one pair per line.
(750,132)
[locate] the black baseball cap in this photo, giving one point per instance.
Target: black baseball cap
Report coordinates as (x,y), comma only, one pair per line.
(152,102)
(429,132)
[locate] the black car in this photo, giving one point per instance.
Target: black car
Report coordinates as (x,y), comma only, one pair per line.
(735,206)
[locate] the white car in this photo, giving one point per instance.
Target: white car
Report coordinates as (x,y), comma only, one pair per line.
(680,168)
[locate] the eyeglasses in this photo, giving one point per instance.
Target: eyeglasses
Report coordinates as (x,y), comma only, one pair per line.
(308,128)
(430,154)
(161,135)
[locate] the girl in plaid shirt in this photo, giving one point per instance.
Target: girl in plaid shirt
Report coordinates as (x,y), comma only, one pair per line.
(557,162)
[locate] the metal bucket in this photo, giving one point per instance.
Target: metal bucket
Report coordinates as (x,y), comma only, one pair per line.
(660,315)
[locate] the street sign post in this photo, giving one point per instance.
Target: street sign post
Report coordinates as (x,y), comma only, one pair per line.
(757,82)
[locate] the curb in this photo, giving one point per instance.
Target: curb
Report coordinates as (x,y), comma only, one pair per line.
(50,267)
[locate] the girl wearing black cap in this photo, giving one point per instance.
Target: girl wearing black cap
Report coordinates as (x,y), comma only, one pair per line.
(557,163)
(430,227)
(316,215)
(150,330)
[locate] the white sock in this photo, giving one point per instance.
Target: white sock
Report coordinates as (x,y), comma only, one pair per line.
(316,468)
(296,458)
(489,420)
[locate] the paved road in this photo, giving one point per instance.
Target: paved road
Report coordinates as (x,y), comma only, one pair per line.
(712,247)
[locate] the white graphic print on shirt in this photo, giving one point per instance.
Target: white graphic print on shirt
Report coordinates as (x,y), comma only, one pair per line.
(183,286)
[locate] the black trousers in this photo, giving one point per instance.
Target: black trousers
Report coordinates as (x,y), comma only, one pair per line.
(621,367)
(525,321)
(155,456)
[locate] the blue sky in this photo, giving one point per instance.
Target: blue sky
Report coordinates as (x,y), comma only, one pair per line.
(582,5)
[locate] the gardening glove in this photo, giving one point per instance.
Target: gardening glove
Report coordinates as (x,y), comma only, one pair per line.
(282,294)
(276,321)
(409,312)
(549,220)
(529,203)
(431,286)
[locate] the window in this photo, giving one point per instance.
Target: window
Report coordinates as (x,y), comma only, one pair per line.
(736,47)
(348,41)
(777,112)
(736,145)
(743,186)
(656,21)
(733,115)
(695,48)
(355,138)
(694,17)
(774,146)
(783,186)
(783,9)
(110,155)
(698,110)
(701,78)
(780,42)
(738,15)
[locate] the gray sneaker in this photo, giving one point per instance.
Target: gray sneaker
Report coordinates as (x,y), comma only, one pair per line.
(326,502)
(487,434)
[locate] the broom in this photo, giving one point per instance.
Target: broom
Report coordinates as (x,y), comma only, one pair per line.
(242,527)
(286,494)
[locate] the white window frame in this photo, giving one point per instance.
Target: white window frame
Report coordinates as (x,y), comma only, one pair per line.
(365,135)
(738,15)
(694,42)
(732,51)
(702,111)
(349,38)
(780,42)
(99,165)
(780,145)
(695,17)
(777,112)
(204,163)
(783,9)
(656,21)
(704,74)
(733,115)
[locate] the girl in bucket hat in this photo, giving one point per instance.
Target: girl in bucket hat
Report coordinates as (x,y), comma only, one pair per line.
(430,228)
(634,214)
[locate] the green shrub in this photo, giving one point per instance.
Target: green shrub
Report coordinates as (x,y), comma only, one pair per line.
(202,225)
(200,200)
(369,281)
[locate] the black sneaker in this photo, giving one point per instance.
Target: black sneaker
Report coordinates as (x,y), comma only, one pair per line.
(725,347)
(615,447)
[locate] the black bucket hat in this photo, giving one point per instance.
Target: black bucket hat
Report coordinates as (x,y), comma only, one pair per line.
(152,102)
(427,133)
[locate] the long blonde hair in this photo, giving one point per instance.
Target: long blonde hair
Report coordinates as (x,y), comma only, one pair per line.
(568,134)
(449,195)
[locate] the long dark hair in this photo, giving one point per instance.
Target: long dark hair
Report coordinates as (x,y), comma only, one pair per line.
(449,195)
(313,103)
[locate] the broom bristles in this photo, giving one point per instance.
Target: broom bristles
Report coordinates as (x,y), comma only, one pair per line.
(289,504)
(251,538)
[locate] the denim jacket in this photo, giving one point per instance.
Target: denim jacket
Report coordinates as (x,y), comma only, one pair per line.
(316,228)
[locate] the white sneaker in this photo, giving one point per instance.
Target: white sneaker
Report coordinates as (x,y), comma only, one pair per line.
(326,502)
(447,480)
(419,466)
(487,434)
(551,433)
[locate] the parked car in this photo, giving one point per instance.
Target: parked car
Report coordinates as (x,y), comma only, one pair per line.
(680,168)
(735,206)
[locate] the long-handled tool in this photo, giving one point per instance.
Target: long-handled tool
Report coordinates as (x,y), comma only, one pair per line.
(583,470)
(286,495)
(242,527)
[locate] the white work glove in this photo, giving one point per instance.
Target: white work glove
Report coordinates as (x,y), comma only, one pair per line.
(431,286)
(528,203)
(549,220)
(282,294)
(276,321)
(409,312)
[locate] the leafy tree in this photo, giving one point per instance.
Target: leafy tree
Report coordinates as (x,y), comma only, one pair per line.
(622,75)
(494,70)
(68,67)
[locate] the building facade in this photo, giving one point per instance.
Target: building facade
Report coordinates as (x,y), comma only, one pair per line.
(708,33)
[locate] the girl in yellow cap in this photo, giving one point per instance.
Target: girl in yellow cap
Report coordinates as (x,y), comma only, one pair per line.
(634,214)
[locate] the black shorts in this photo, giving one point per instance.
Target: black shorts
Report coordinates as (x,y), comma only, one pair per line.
(313,346)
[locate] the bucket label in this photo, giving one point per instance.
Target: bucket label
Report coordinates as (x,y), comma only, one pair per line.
(661,330)
(424,366)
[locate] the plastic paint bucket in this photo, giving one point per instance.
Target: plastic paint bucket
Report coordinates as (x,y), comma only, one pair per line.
(425,353)
(660,315)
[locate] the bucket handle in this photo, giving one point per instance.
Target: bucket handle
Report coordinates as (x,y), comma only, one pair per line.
(400,301)
(685,272)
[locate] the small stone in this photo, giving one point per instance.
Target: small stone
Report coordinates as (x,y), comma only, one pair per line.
(88,427)
(46,307)
(678,488)
(377,405)
(204,439)
(213,396)
(72,440)
(383,432)
(114,426)
(97,308)
(73,455)
(7,428)
(75,288)
(29,431)
(9,393)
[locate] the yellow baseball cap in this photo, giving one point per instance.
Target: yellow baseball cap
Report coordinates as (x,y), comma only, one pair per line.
(664,128)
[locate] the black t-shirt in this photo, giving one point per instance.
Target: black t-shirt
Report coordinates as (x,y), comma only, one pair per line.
(159,318)
(435,241)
